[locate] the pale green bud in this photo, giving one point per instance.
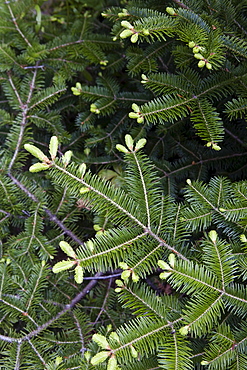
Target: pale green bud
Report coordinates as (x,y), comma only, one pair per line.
(82,169)
(67,249)
(101,341)
(36,152)
(125,33)
(170,11)
(133,351)
(196,49)
(75,91)
(135,107)
(84,190)
(94,109)
(121,148)
(135,277)
(37,167)
(133,115)
(140,120)
(198,56)
(204,362)
(126,24)
(103,62)
(112,363)
(172,259)
(78,274)
(119,282)
(188,181)
(191,44)
(97,227)
(216,147)
(58,360)
(114,336)
(134,38)
(213,235)
(163,265)
(243,238)
(184,330)
(201,63)
(123,265)
(145,32)
(67,157)
(125,274)
(129,141)
(208,65)
(53,147)
(140,144)
(164,275)
(87,151)
(100,357)
(90,245)
(62,266)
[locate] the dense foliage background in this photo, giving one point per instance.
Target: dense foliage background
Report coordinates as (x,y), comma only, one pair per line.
(123,184)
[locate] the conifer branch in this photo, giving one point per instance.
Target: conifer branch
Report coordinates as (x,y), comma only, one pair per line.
(16,24)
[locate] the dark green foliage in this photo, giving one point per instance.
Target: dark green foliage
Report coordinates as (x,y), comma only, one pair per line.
(116,261)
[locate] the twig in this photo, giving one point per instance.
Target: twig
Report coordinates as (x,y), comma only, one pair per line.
(66,308)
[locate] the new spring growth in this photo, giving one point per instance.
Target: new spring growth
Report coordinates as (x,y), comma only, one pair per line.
(82,169)
(171,11)
(144,79)
(128,272)
(243,238)
(165,266)
(184,330)
(213,145)
(66,158)
(77,89)
(65,265)
(130,144)
(37,153)
(101,341)
(124,13)
(100,357)
(136,114)
(213,236)
(103,355)
(130,31)
(67,249)
(94,109)
(112,363)
(114,336)
(133,351)
(53,147)
(120,286)
(197,50)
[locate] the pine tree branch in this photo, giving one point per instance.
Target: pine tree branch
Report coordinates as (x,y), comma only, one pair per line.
(16,24)
(51,216)
(146,229)
(66,308)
